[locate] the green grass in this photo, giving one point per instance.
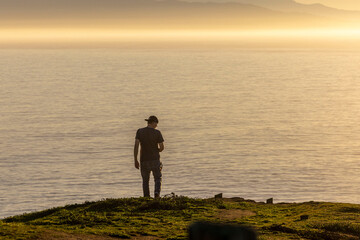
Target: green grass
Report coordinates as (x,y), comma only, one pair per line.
(169,218)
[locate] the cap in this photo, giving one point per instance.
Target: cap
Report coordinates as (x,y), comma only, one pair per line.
(152,119)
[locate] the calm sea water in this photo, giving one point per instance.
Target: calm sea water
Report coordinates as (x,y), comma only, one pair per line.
(247,123)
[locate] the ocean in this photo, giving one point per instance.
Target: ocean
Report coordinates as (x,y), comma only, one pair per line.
(251,123)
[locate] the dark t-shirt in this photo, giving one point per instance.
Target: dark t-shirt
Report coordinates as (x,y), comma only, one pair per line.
(149,140)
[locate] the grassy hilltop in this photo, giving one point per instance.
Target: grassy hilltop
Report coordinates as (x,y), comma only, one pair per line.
(169,218)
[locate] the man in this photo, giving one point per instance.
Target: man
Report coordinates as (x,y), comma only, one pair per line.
(152,143)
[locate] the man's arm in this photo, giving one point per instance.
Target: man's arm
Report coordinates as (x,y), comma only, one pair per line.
(161,147)
(136,151)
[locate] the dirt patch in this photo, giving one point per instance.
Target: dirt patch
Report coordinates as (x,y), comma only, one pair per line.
(56,235)
(233,214)
(144,238)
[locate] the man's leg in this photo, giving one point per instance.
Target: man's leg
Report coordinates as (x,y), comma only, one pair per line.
(145,173)
(156,169)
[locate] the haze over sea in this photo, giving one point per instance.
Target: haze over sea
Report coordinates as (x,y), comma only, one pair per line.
(249,123)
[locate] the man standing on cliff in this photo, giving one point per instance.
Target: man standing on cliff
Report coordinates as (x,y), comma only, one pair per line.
(151,143)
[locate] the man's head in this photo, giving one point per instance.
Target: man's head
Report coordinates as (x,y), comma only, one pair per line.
(152,121)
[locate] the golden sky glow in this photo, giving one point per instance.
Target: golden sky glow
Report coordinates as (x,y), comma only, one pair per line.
(167,24)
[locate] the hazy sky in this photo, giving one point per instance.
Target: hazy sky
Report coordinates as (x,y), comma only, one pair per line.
(343,4)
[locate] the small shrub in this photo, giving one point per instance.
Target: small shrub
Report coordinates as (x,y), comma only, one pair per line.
(341,227)
(350,210)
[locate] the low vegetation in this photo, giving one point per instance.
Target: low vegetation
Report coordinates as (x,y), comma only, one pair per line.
(169,218)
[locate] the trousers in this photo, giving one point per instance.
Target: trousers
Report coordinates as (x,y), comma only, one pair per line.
(146,168)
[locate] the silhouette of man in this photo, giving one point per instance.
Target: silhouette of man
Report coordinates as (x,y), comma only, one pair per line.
(151,143)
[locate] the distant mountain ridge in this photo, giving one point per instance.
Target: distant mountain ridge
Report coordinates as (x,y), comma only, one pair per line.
(172,14)
(293,6)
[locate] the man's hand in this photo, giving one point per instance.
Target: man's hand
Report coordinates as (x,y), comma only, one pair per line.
(137,164)
(161,147)
(136,150)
